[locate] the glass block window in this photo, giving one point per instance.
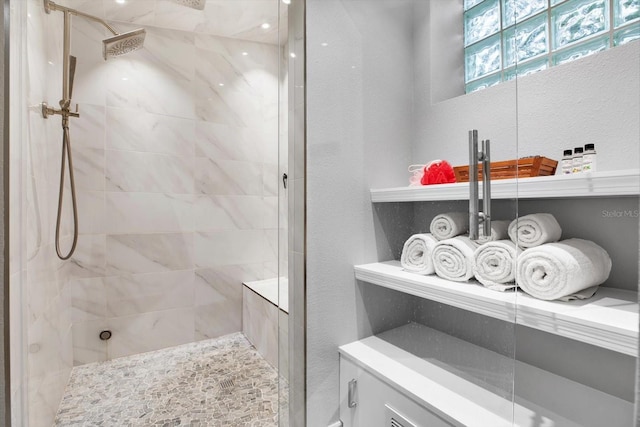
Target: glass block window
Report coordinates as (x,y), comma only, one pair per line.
(504,39)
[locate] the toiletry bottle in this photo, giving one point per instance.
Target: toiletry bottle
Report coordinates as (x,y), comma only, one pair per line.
(577,160)
(589,158)
(567,162)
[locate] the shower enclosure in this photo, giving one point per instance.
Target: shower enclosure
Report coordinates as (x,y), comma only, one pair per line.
(178,154)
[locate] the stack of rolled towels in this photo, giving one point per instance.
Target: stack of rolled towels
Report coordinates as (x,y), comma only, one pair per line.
(526,252)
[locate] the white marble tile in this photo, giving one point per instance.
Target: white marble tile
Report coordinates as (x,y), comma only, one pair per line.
(144,293)
(270,269)
(270,246)
(260,324)
(45,344)
(271,179)
(216,213)
(132,130)
(216,320)
(89,259)
(39,295)
(91,81)
(138,11)
(215,285)
(88,168)
(172,52)
(270,134)
(228,142)
(91,212)
(270,213)
(43,265)
(44,394)
(150,331)
(88,131)
(216,102)
(149,213)
(87,6)
(89,299)
(218,300)
(172,15)
(91,70)
(134,81)
(149,253)
(226,177)
(87,345)
(230,68)
(242,21)
(228,248)
(36,54)
(148,172)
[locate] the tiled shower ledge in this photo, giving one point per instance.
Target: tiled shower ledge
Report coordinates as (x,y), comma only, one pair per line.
(608,320)
(593,184)
(471,386)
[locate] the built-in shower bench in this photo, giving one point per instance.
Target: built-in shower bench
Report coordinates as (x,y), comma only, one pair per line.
(265,314)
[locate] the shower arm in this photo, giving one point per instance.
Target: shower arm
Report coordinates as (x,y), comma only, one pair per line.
(67,69)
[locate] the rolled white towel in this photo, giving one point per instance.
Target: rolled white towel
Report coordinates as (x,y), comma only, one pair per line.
(448,225)
(416,254)
(495,264)
(564,269)
(534,230)
(499,231)
(453,258)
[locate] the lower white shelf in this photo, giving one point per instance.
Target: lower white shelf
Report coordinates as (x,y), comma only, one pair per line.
(467,385)
(608,320)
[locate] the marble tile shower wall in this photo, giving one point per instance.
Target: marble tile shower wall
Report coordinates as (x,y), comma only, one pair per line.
(177,169)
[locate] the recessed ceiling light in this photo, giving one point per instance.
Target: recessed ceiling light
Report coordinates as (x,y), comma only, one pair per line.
(121,1)
(220,84)
(265,26)
(286,1)
(324,44)
(293,55)
(245,53)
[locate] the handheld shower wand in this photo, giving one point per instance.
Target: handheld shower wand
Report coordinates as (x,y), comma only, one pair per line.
(117,45)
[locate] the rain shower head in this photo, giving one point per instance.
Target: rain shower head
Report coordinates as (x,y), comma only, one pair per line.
(117,45)
(194,4)
(122,44)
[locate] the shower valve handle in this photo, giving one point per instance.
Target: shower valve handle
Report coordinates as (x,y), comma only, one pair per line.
(65,112)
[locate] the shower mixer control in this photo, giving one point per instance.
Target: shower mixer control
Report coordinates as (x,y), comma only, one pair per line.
(65,112)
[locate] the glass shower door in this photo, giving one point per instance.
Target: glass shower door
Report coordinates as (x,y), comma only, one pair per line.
(577,87)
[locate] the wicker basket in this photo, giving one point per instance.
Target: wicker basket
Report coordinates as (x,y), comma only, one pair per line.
(524,168)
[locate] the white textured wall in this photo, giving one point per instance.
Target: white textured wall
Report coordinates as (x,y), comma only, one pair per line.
(591,100)
(359,96)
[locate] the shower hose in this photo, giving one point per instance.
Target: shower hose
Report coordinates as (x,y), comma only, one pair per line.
(66,154)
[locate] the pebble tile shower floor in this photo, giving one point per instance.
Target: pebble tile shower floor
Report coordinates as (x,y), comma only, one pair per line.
(220,382)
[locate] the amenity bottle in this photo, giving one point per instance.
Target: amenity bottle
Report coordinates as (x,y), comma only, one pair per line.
(567,162)
(577,160)
(589,158)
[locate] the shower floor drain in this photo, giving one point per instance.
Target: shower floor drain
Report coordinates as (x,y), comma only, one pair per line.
(226,384)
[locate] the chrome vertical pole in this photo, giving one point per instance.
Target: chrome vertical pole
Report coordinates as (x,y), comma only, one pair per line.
(473,184)
(486,188)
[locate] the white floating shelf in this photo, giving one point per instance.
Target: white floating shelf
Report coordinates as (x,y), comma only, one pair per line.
(593,184)
(608,320)
(473,386)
